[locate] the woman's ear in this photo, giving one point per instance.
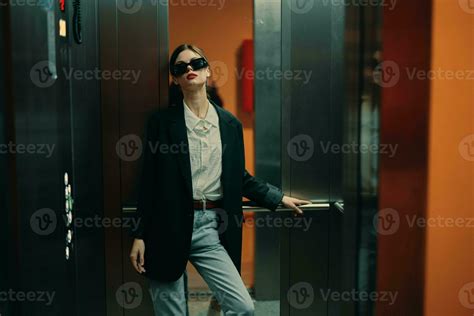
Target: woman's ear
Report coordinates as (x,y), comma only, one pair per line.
(208,72)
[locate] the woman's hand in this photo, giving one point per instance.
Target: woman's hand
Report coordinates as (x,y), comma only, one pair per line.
(137,255)
(293,203)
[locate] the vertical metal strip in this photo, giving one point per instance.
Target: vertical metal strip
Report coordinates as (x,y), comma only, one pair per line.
(51,33)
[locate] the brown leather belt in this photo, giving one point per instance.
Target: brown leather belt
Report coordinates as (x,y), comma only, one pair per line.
(207,204)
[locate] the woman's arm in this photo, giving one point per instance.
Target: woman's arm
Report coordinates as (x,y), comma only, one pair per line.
(261,192)
(266,194)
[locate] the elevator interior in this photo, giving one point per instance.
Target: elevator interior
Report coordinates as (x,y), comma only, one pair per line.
(86,121)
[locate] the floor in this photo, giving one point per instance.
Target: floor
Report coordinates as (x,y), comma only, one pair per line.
(264,308)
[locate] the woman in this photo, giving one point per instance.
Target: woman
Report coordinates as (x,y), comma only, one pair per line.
(190,203)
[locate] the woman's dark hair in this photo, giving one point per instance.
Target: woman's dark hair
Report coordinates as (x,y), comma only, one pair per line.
(175,93)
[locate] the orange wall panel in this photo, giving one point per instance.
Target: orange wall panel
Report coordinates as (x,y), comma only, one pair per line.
(449,271)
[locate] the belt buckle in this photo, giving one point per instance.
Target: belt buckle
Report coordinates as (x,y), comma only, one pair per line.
(203,204)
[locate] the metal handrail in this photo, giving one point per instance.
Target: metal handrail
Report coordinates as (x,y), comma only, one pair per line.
(247,207)
(339,206)
(314,206)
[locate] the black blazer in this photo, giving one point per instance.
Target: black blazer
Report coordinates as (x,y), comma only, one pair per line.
(165,204)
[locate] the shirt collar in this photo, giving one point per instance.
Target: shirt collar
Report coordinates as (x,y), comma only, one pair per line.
(192,119)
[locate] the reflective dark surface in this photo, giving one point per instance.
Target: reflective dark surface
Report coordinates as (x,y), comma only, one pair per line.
(298,121)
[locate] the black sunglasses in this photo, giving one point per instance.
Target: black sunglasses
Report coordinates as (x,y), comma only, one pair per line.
(182,67)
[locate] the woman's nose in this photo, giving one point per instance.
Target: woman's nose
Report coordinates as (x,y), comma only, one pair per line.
(189,68)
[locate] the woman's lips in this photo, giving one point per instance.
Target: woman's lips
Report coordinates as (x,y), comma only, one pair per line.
(191,76)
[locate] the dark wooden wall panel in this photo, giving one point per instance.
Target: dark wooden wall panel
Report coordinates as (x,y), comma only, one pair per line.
(130,40)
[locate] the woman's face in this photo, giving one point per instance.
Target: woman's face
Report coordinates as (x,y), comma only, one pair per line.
(192,80)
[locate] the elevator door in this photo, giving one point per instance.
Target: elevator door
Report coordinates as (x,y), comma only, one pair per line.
(52,115)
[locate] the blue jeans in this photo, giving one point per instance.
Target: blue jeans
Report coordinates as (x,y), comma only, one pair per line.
(215,266)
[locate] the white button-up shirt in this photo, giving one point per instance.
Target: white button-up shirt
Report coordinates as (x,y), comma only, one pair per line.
(205,153)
